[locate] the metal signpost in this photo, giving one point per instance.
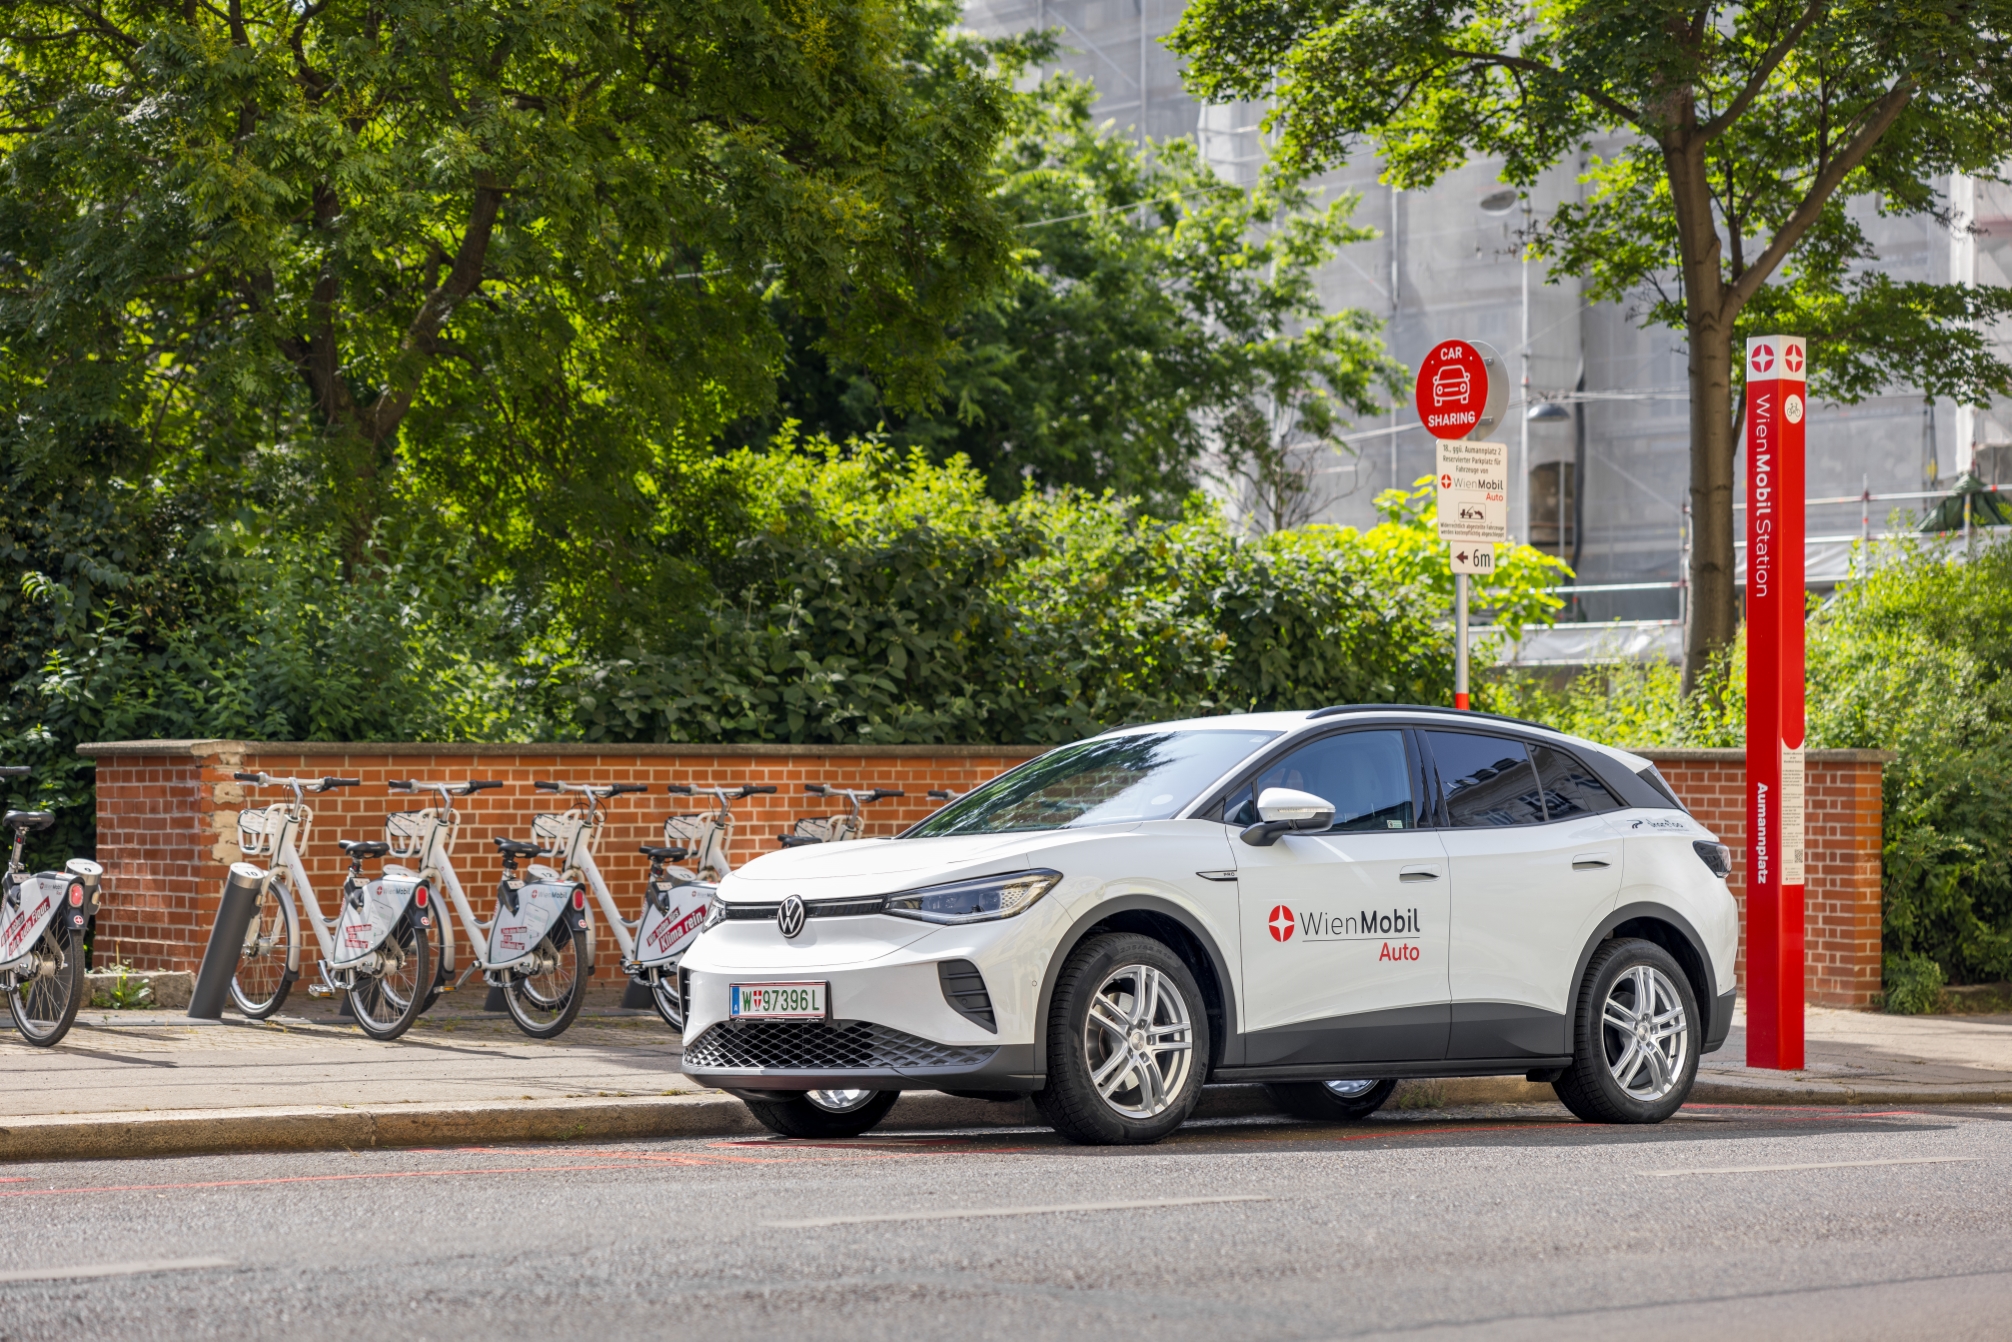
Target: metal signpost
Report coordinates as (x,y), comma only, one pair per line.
(1460,396)
(1777,377)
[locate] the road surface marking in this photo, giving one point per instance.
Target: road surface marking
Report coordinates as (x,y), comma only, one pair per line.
(813,1223)
(112,1269)
(1814,1165)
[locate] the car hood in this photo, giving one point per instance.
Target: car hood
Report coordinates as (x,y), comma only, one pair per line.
(879,866)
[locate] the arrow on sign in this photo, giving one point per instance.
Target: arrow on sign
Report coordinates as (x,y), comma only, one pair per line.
(1462,556)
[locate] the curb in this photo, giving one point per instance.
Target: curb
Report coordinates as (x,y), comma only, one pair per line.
(361,1127)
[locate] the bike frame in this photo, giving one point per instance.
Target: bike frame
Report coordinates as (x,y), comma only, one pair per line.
(435,855)
(846,825)
(712,855)
(282,851)
(578,831)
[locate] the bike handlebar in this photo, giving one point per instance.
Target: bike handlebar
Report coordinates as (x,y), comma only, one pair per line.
(15,771)
(473,785)
(304,784)
(591,789)
(869,794)
(744,790)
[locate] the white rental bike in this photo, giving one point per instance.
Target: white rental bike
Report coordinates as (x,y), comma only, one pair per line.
(43,919)
(836,828)
(684,871)
(269,961)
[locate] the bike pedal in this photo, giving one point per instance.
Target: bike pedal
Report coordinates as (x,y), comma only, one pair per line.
(319,990)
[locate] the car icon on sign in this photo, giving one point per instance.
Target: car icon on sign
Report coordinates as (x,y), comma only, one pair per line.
(1450,383)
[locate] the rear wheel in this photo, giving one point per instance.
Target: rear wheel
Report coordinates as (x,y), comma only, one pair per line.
(1330,1101)
(260,985)
(545,1000)
(386,1004)
(47,993)
(822,1113)
(1634,1041)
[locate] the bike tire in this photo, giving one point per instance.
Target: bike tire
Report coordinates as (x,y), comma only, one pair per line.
(262,980)
(383,1014)
(544,1004)
(664,997)
(46,1007)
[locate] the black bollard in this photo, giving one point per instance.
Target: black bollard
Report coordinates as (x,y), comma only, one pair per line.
(227,941)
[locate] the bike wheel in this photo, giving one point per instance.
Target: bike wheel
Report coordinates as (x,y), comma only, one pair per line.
(386,1004)
(272,942)
(664,997)
(46,996)
(545,1001)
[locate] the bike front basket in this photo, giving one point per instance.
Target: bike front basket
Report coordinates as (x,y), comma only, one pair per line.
(405,832)
(822,828)
(549,831)
(259,827)
(682,831)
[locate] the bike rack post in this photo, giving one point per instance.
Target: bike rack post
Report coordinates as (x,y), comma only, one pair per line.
(227,940)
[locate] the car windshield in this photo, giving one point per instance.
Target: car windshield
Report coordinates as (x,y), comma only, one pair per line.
(1106,781)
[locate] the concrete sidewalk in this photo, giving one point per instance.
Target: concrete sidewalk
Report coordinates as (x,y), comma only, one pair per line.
(126,1083)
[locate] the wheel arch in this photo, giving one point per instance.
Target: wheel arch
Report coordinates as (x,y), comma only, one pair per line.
(1168,923)
(1664,926)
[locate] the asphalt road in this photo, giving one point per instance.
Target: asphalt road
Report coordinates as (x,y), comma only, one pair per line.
(1723,1223)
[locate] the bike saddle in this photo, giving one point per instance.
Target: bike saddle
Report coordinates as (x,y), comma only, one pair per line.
(518,847)
(660,854)
(361,848)
(28,819)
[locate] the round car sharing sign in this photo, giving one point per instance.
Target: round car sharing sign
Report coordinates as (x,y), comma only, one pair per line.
(1461,392)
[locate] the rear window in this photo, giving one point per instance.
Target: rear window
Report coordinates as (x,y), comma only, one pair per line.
(1105,781)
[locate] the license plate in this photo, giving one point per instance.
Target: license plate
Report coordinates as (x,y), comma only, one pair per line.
(776,1001)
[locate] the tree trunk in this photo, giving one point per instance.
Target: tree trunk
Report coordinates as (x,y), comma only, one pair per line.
(1714,603)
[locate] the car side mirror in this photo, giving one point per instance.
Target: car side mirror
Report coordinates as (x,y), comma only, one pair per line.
(1281,810)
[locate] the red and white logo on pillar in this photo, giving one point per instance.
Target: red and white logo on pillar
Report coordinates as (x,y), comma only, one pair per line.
(1280,923)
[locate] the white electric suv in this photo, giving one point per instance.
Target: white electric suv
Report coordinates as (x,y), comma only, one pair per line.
(1321,901)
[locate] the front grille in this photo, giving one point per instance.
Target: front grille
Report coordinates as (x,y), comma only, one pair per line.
(810,1046)
(856,907)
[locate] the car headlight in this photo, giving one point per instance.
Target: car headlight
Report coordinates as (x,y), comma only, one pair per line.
(716,913)
(974,901)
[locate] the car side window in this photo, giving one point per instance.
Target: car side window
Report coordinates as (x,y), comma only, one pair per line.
(1486,780)
(1570,788)
(1363,774)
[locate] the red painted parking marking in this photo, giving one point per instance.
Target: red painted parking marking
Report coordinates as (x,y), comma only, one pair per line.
(311,1179)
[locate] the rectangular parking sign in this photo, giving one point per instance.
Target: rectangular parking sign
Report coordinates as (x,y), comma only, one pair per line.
(1473,493)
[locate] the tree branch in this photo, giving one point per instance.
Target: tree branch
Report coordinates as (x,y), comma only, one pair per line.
(1618,108)
(1882,115)
(1757,81)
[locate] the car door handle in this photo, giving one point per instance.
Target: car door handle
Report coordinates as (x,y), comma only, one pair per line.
(1590,861)
(1418,874)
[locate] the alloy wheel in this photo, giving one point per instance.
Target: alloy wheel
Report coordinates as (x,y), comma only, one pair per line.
(1646,1032)
(1138,1041)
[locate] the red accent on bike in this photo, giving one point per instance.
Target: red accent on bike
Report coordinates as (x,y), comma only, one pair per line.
(579,897)
(419,896)
(76,896)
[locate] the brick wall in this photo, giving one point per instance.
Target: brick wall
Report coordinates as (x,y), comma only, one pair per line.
(167,813)
(1842,833)
(166,823)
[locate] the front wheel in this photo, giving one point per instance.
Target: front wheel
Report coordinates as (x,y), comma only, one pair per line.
(385,1004)
(1128,1043)
(1634,1041)
(47,993)
(822,1113)
(1330,1101)
(272,944)
(545,1000)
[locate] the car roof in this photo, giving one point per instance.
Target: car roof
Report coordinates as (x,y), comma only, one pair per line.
(1298,720)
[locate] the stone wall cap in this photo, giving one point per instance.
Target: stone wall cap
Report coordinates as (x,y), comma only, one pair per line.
(115,749)
(1735,754)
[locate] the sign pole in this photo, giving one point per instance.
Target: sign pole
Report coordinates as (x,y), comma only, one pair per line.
(1777,378)
(1460,646)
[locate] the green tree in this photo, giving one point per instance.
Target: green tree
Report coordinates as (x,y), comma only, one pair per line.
(1162,323)
(504,242)
(1742,130)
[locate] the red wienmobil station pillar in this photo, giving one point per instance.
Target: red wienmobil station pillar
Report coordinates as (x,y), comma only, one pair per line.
(1776,380)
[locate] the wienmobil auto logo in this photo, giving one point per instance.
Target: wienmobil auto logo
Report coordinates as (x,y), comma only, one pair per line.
(1763,358)
(1319,925)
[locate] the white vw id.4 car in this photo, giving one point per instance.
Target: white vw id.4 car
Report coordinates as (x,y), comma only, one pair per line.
(1320,901)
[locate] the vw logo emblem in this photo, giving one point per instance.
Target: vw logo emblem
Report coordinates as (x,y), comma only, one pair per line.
(789,918)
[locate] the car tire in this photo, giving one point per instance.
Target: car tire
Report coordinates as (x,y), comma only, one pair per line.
(800,1115)
(1159,1060)
(1329,1101)
(1631,1065)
